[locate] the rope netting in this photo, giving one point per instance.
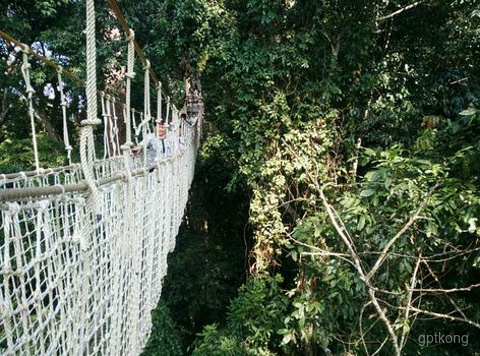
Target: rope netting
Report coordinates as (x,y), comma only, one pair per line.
(83,248)
(73,289)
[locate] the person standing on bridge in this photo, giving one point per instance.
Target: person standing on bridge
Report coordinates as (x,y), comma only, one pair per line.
(154,143)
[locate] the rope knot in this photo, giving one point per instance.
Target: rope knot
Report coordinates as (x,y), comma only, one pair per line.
(90,122)
(130,75)
(44,204)
(13,208)
(25,48)
(147,65)
(126,146)
(131,35)
(40,171)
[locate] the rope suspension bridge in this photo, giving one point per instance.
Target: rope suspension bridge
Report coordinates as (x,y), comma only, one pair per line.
(83,247)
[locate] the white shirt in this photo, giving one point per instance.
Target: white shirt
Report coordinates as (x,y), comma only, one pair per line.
(154,147)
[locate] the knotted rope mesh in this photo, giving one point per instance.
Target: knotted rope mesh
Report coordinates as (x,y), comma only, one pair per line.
(69,290)
(83,248)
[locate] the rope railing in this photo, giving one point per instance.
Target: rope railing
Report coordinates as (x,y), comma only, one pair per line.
(9,39)
(45,60)
(127,109)
(83,248)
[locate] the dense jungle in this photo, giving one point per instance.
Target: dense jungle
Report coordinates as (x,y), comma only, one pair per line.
(335,207)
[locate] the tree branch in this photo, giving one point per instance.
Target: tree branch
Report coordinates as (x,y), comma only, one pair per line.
(413,282)
(452,290)
(398,12)
(412,219)
(361,273)
(443,316)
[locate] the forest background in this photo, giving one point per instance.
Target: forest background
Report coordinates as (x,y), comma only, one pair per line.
(336,200)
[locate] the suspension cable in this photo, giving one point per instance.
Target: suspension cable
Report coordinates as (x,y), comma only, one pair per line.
(45,60)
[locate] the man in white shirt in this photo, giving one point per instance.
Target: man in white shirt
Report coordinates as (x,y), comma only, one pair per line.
(155,144)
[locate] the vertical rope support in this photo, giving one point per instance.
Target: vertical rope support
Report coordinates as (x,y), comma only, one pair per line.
(87,156)
(129,77)
(63,104)
(159,102)
(87,148)
(31,112)
(168,111)
(91,62)
(116,142)
(147,108)
(106,147)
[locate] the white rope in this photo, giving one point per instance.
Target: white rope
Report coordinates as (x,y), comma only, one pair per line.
(135,127)
(80,272)
(147,108)
(90,222)
(106,125)
(159,102)
(111,132)
(63,104)
(167,116)
(31,112)
(114,131)
(91,90)
(130,75)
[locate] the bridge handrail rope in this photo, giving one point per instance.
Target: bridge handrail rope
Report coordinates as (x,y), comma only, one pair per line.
(126,107)
(66,72)
(83,247)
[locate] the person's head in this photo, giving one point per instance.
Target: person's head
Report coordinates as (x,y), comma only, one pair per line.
(161,129)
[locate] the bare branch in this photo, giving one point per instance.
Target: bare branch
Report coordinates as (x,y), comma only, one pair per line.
(452,290)
(398,12)
(294,201)
(381,346)
(440,284)
(413,282)
(329,254)
(443,316)
(458,81)
(361,273)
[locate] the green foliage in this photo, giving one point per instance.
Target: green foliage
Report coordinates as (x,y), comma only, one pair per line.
(245,318)
(289,102)
(16,155)
(164,340)
(218,344)
(254,318)
(380,103)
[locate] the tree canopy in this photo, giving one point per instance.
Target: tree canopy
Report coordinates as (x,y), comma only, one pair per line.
(343,146)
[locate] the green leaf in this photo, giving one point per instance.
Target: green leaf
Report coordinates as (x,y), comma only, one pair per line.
(367,192)
(361,223)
